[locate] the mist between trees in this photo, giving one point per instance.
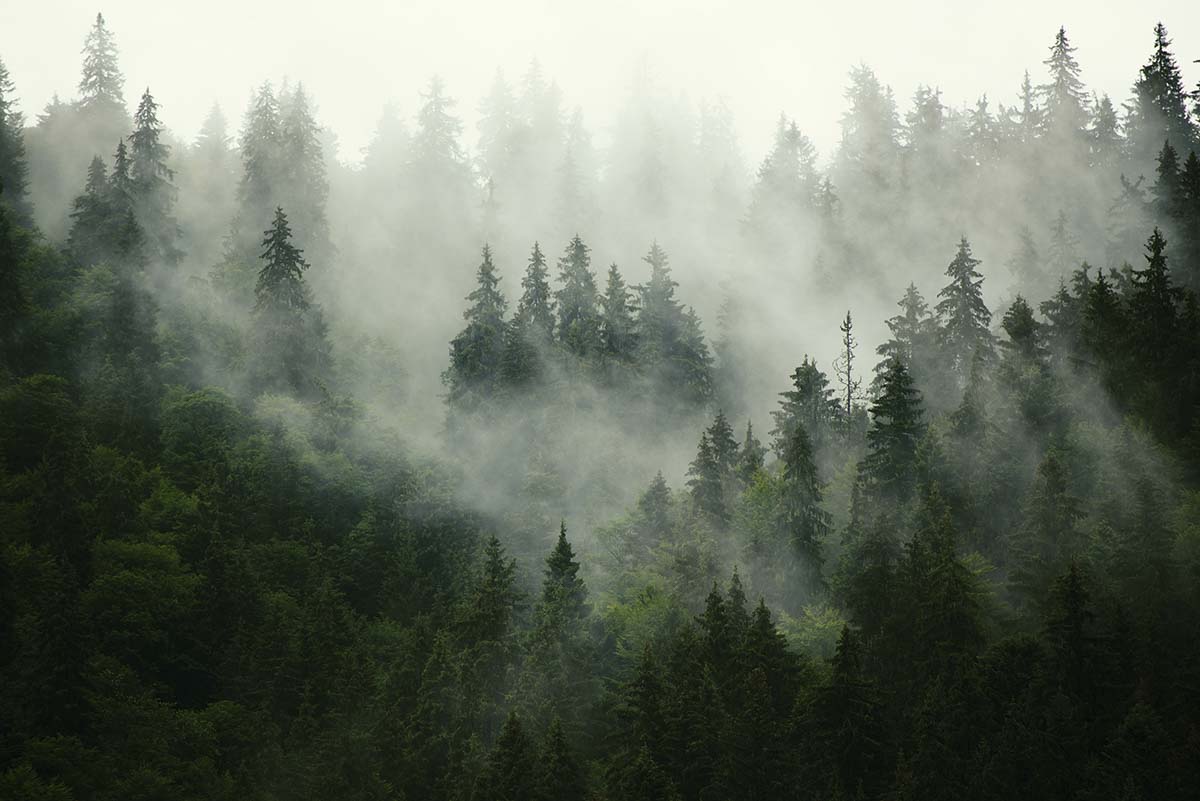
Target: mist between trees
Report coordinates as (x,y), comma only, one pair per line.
(506,466)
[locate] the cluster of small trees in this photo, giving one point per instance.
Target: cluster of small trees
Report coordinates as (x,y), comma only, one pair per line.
(614,334)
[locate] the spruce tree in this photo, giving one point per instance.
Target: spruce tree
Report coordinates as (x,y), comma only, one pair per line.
(151,178)
(259,144)
(1153,304)
(102,86)
(705,483)
(578,321)
(810,403)
(291,348)
(1024,332)
(564,595)
(751,456)
(301,175)
(617,335)
(724,446)
(559,776)
(913,333)
(803,520)
(963,315)
(14,170)
(509,773)
(1064,97)
(1158,110)
(535,309)
(895,432)
(477,351)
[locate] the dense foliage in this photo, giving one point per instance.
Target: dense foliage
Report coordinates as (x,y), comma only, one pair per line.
(227,571)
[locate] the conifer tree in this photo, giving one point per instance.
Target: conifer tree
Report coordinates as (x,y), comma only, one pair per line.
(705,483)
(302,175)
(291,346)
(151,180)
(963,315)
(1158,111)
(509,774)
(477,351)
(563,606)
(535,309)
(751,456)
(559,776)
(102,86)
(810,403)
(724,446)
(1064,97)
(1024,332)
(617,335)
(14,170)
(1153,303)
(258,190)
(1104,135)
(578,321)
(895,432)
(804,521)
(913,332)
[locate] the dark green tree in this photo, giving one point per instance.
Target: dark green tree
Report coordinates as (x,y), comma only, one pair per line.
(618,338)
(151,181)
(477,351)
(964,317)
(14,170)
(803,520)
(578,320)
(810,403)
(896,430)
(705,482)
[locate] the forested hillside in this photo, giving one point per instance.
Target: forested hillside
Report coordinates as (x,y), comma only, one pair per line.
(504,465)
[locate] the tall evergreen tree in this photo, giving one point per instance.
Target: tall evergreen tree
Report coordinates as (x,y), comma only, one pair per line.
(509,773)
(563,605)
(302,176)
(14,170)
(259,190)
(705,484)
(102,86)
(810,403)
(578,321)
(1065,102)
(895,432)
(617,335)
(751,456)
(963,315)
(290,347)
(804,521)
(477,351)
(535,309)
(913,334)
(1158,111)
(153,190)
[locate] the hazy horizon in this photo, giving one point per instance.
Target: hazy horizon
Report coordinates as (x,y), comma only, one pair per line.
(762,59)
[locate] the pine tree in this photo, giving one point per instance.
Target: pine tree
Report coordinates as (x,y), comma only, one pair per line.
(1048,540)
(477,351)
(1166,191)
(259,190)
(153,190)
(913,332)
(302,176)
(1066,109)
(564,605)
(509,774)
(1153,303)
(705,482)
(670,341)
(1024,332)
(559,776)
(535,309)
(14,170)
(617,335)
(102,86)
(810,403)
(88,240)
(1104,135)
(786,186)
(894,435)
(578,321)
(291,349)
(724,446)
(963,315)
(1030,114)
(751,456)
(1158,110)
(804,521)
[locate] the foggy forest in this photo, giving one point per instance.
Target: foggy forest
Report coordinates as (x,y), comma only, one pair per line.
(541,454)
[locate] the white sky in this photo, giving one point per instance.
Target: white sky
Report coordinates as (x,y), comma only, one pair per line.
(763,57)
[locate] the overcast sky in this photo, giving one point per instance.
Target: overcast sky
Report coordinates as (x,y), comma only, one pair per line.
(763,57)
